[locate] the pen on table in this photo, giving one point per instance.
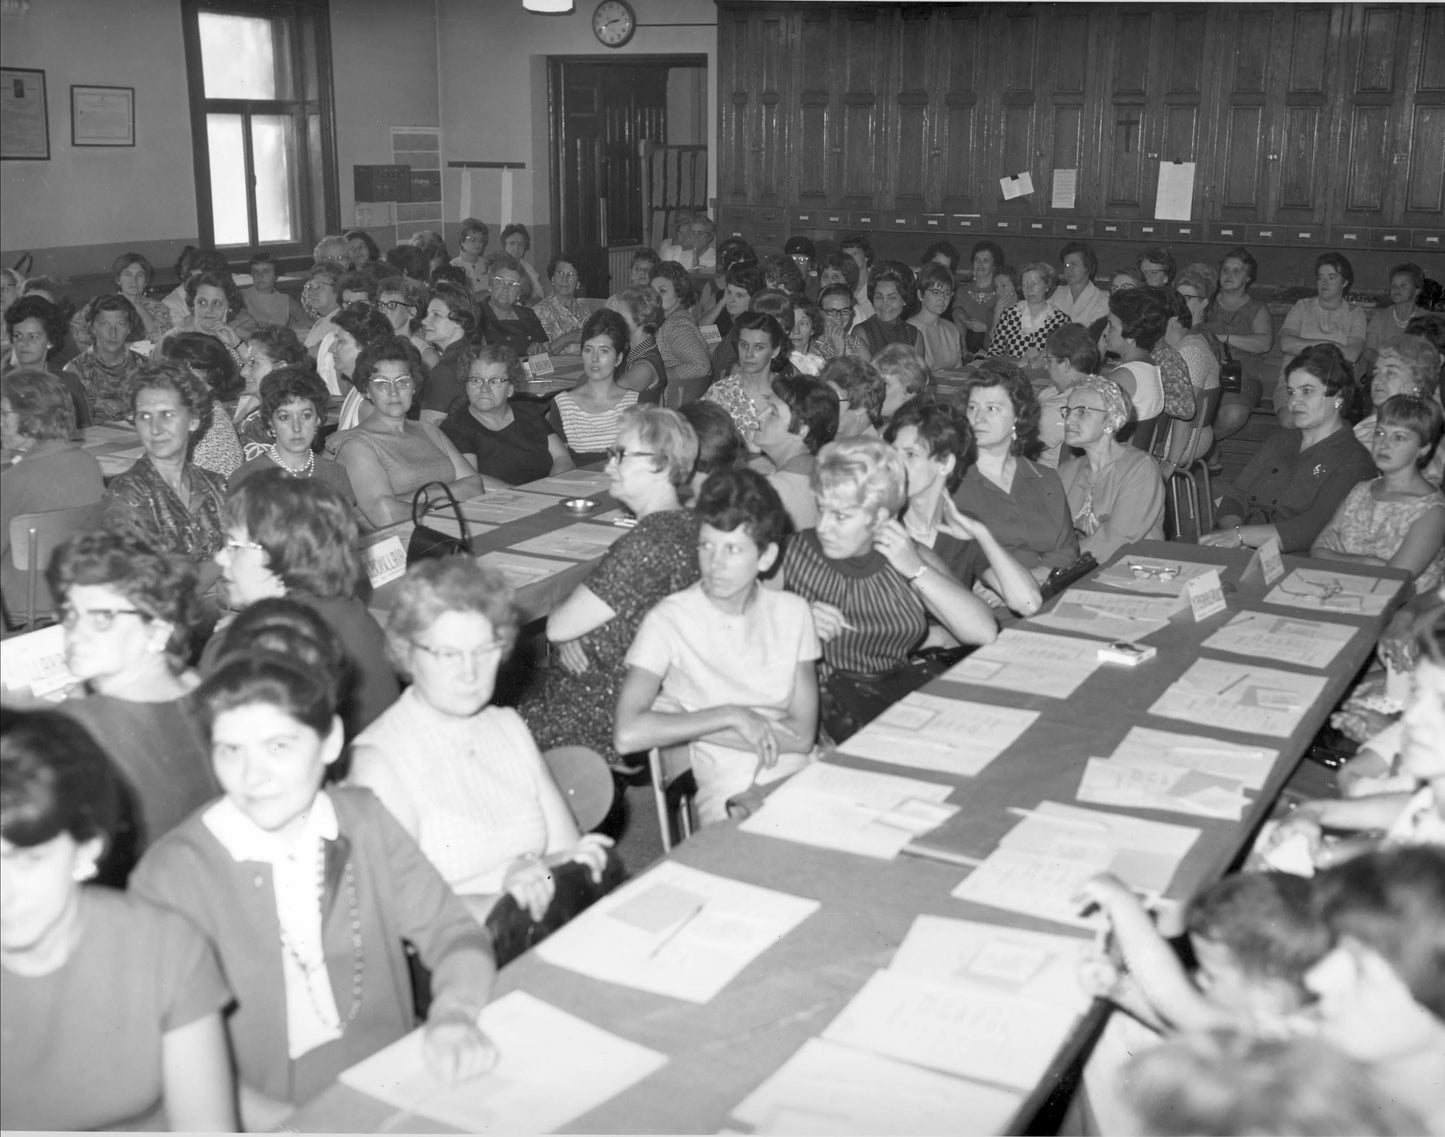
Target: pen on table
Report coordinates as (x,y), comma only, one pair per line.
(1058,819)
(672,935)
(943,856)
(1235,682)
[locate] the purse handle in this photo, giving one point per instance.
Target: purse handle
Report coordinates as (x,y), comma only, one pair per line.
(423,498)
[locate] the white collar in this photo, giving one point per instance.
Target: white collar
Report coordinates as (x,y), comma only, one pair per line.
(247,841)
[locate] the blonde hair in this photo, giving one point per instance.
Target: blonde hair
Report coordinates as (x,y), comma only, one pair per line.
(866,469)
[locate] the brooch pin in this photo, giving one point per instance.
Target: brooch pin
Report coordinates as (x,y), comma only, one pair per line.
(1319,469)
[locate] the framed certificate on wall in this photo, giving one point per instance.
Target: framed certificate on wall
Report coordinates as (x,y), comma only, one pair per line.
(102,116)
(24,121)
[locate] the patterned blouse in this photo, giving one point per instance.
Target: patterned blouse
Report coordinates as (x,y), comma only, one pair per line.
(1366,526)
(107,388)
(218,448)
(141,499)
(876,335)
(684,351)
(1017,333)
(1174,379)
(730,394)
(560,316)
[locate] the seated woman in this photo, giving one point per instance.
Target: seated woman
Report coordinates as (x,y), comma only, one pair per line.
(1245,330)
(106,367)
(451,326)
(782,274)
(503,319)
(834,339)
(164,496)
(861,391)
(801,418)
(297,538)
(517,243)
(359,326)
(905,376)
(43,471)
(646,374)
(1115,493)
(37,333)
(712,303)
(217,309)
(685,356)
(270,307)
(316,852)
(1298,477)
(1023,504)
(894,295)
(870,586)
(1192,438)
(588,417)
(1138,319)
(1071,356)
(463,777)
(745,389)
(1022,330)
(1326,318)
(940,343)
(118,1002)
(1397,519)
(1078,297)
(563,313)
(1410,367)
(590,631)
(936,445)
(389,457)
(743,283)
(679,243)
(506,439)
(1387,324)
(471,247)
(128,611)
(984,298)
(644,267)
(271,347)
(719,445)
(807,327)
(217,446)
(133,274)
(734,662)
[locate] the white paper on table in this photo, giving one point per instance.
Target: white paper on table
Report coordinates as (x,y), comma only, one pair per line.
(1016,185)
(523,1093)
(1108,615)
(35,662)
(1036,965)
(1066,183)
(571,483)
(968,1031)
(1121,574)
(1250,765)
(829,1089)
(1143,854)
(676,931)
(1255,700)
(1282,639)
(578,542)
(1158,785)
(930,732)
(498,507)
(520,570)
(835,807)
(1333,592)
(1174,200)
(1033,662)
(1035,884)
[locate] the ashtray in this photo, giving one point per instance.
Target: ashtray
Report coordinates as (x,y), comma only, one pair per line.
(578,504)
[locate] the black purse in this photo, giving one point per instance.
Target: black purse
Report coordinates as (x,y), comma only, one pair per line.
(1061,578)
(1231,371)
(427,542)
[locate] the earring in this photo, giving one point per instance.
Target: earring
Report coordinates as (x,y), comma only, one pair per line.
(83,872)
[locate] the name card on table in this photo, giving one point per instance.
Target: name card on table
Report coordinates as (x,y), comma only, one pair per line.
(540,364)
(384,561)
(1206,595)
(710,335)
(1267,564)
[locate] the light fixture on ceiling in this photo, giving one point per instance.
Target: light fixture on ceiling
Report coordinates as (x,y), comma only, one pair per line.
(552,7)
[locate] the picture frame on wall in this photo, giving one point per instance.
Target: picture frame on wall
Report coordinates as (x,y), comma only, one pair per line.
(24,115)
(102,116)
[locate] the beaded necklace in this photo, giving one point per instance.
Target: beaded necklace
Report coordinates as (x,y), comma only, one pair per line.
(1399,323)
(359,964)
(305,472)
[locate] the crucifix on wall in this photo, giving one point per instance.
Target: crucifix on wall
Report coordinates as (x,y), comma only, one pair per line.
(1128,119)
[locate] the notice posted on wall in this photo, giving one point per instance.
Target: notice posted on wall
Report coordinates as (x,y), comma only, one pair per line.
(1175,199)
(1016,185)
(1066,187)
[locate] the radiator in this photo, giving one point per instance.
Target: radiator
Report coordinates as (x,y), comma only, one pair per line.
(619,264)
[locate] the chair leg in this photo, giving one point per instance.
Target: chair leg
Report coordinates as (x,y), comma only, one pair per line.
(659,797)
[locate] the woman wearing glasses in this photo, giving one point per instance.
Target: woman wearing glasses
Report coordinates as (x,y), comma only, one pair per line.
(503,319)
(562,313)
(389,457)
(835,302)
(588,416)
(574,702)
(127,609)
(463,777)
(939,341)
(1115,493)
(510,441)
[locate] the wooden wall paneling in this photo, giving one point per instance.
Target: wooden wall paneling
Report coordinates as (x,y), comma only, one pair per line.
(1311,67)
(771,162)
(1068,105)
(960,137)
(1127,126)
(817,144)
(914,126)
(1371,118)
(1243,160)
(1423,138)
(1011,146)
(1182,55)
(867,146)
(735,99)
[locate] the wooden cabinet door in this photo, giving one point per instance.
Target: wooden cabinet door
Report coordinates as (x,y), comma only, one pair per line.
(1128,121)
(1014,137)
(1421,140)
(1370,115)
(1244,149)
(962,169)
(914,126)
(1309,64)
(863,72)
(756,102)
(817,138)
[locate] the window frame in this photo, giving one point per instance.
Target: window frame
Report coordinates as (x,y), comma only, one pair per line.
(311,108)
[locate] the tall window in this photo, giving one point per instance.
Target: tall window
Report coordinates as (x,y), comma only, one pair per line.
(260,83)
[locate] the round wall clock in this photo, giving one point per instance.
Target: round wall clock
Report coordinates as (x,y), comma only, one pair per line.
(613,23)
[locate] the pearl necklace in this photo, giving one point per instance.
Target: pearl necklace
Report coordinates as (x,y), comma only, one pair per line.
(305,472)
(1399,323)
(309,969)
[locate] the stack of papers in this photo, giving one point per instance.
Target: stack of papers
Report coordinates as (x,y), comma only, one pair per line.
(1334,592)
(1108,615)
(579,542)
(1032,662)
(1282,639)
(855,811)
(929,732)
(573,483)
(1042,863)
(497,507)
(1148,784)
(1248,765)
(676,931)
(1152,575)
(1255,700)
(522,1093)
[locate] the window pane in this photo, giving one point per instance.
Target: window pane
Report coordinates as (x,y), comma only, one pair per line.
(228,179)
(272,145)
(238,57)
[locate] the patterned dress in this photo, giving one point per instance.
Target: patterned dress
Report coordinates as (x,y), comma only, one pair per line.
(560,316)
(141,499)
(657,558)
(1017,333)
(107,388)
(1366,526)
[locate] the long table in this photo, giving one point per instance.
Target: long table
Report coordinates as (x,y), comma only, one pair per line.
(720,1051)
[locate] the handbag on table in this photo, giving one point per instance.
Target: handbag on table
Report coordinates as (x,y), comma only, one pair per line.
(427,542)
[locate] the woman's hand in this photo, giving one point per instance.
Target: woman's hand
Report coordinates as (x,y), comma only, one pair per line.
(573,656)
(762,734)
(455,1049)
(1223,539)
(828,620)
(591,851)
(244,406)
(893,541)
(530,883)
(958,524)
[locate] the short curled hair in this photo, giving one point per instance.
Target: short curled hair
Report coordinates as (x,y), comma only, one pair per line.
(559,258)
(681,282)
(860,384)
(943,249)
(222,280)
(397,349)
(992,248)
(1085,250)
(1159,255)
(840,262)
(719,444)
(606,322)
(363,323)
(868,471)
(902,277)
(943,428)
(517,229)
(1143,315)
(168,375)
(279,344)
(290,383)
(1246,258)
(755,321)
(735,253)
(1015,383)
(267,678)
(355,280)
(810,311)
(373,253)
(332,248)
(208,355)
(1075,345)
(307,529)
(747,277)
(1044,271)
(131,564)
(933,273)
(1412,270)
(905,364)
(1416,413)
(44,407)
(411,262)
(858,241)
(782,273)
(1327,363)
(434,587)
(743,497)
(668,435)
(1419,359)
(487,353)
(1341,264)
(498,261)
(649,258)
(778,305)
(813,404)
(114,302)
(461,308)
(125,260)
(471,225)
(54,779)
(51,316)
(643,305)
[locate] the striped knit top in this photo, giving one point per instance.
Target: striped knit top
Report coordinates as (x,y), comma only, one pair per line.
(887,617)
(589,435)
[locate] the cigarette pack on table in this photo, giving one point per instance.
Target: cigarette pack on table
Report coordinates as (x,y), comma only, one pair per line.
(1127,654)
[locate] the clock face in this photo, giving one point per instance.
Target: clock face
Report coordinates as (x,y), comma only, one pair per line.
(613,23)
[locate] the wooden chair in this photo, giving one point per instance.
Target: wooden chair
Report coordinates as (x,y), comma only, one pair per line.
(673,788)
(1192,487)
(585,781)
(34,537)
